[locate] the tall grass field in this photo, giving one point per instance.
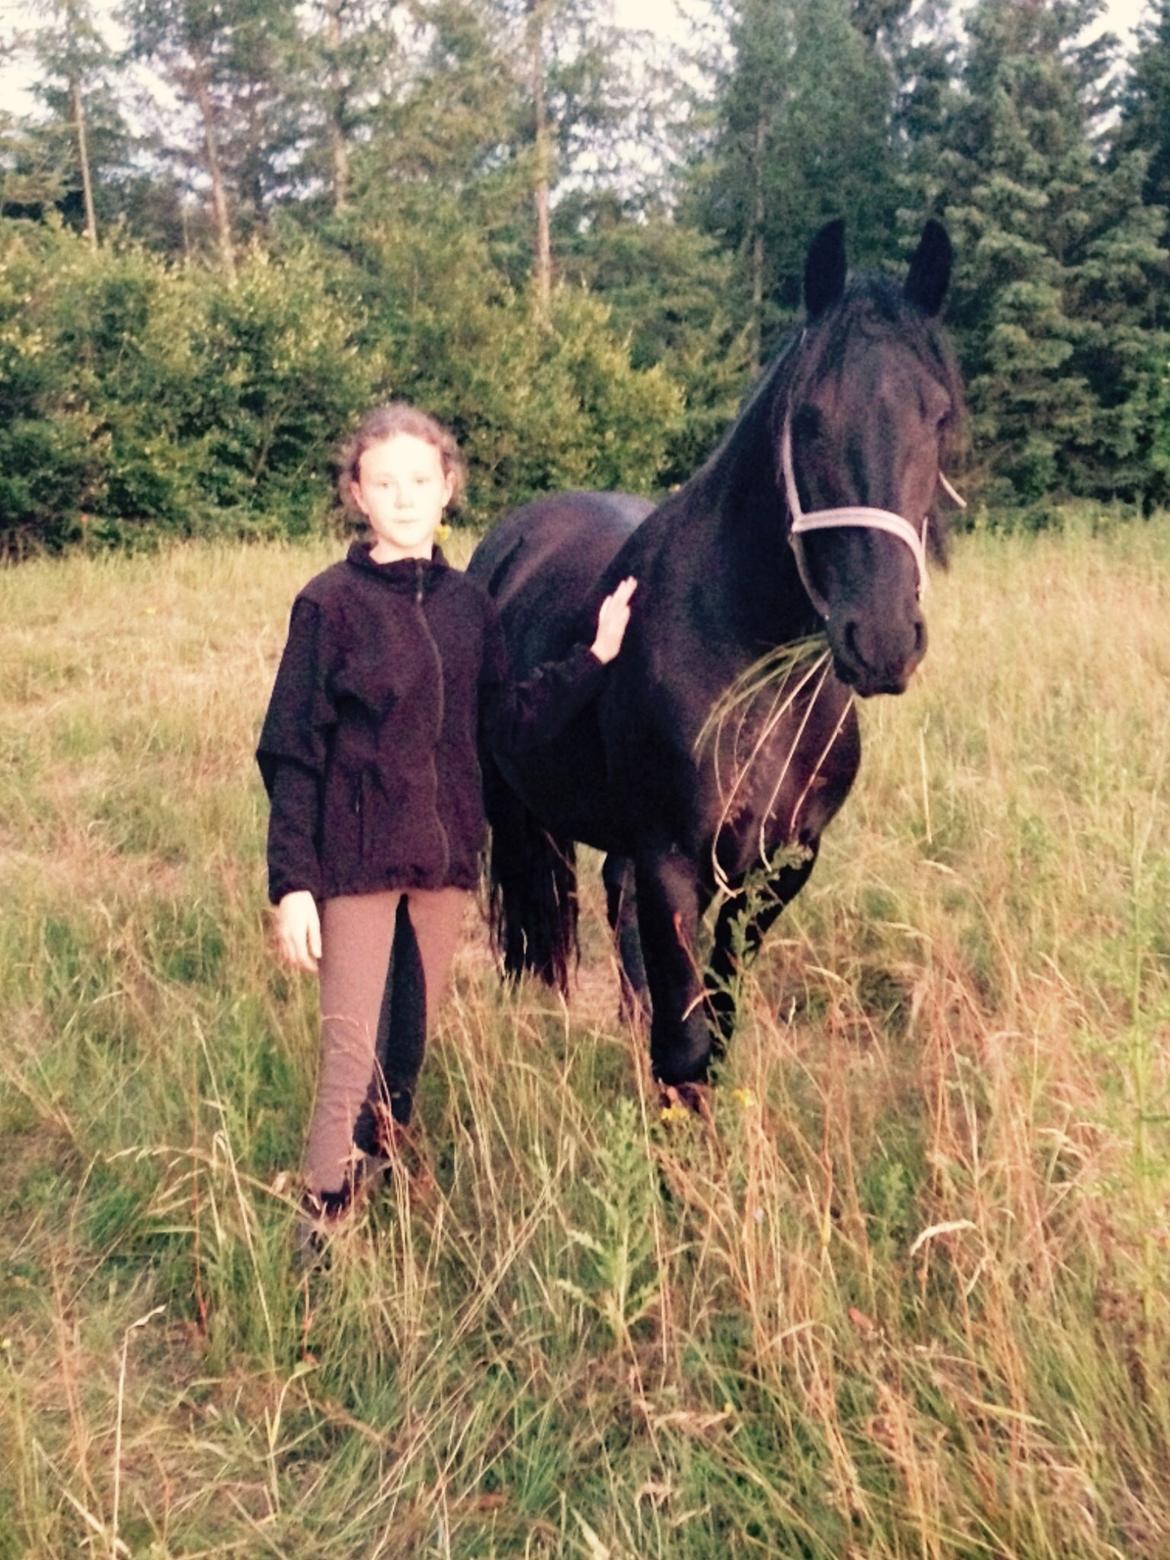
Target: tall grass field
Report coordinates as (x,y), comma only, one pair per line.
(907,1294)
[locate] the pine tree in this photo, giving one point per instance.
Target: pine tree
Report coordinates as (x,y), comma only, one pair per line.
(803,133)
(669,290)
(261,137)
(504,103)
(71,54)
(33,180)
(577,100)
(445,125)
(229,62)
(1122,351)
(83,135)
(1053,252)
(1146,104)
(926,69)
(1143,141)
(346,52)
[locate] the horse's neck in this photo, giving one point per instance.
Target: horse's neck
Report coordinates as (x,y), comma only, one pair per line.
(737,501)
(740,484)
(738,481)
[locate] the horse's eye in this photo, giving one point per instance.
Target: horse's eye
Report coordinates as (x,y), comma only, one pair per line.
(944,420)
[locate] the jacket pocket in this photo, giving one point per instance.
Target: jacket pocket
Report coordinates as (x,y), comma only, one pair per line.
(375,683)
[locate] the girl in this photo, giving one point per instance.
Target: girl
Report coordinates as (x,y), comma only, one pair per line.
(395,662)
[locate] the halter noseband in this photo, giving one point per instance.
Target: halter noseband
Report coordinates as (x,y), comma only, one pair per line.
(859,514)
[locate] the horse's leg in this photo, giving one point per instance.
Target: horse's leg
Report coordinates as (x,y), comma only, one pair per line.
(739,930)
(621,908)
(671,900)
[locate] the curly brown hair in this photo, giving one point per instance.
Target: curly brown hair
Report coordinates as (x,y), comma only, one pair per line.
(385,422)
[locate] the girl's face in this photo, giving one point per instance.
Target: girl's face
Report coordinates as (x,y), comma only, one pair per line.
(402,490)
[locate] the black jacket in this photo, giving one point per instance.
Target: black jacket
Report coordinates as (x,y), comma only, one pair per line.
(369,748)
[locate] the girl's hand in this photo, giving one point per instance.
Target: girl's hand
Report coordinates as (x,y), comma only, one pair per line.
(298,930)
(612,620)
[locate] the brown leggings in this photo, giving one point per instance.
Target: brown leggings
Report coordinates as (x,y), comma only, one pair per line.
(385,959)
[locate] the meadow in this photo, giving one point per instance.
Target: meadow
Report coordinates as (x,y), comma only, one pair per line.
(905,1296)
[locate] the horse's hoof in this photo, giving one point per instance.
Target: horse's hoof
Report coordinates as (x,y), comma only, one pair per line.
(680,1101)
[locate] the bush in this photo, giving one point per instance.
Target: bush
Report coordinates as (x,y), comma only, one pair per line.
(537,403)
(280,377)
(143,399)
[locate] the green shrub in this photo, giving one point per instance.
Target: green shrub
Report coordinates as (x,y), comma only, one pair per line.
(280,376)
(142,399)
(538,402)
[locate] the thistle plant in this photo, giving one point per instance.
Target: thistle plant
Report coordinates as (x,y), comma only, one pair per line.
(622,1278)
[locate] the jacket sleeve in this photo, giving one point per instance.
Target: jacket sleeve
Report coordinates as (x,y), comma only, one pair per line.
(294,741)
(518,716)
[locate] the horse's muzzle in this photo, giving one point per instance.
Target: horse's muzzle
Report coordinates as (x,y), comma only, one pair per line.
(877,657)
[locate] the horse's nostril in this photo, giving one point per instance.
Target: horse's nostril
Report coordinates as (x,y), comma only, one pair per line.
(919,636)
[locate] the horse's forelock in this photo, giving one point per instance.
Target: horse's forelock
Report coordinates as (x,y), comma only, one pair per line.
(874,307)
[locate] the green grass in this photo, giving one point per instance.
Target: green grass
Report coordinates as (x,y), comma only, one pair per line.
(907,1296)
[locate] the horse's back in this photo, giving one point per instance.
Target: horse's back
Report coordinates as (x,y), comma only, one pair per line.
(544,564)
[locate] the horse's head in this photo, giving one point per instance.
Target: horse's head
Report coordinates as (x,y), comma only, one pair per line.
(872,396)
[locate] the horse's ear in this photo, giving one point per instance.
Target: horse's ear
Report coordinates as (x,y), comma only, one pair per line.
(824,269)
(930,269)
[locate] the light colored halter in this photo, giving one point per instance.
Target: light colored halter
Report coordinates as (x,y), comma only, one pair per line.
(859,514)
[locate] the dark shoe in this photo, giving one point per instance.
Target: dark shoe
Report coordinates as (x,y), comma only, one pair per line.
(321,1216)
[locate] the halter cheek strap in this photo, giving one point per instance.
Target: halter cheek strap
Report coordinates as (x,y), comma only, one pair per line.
(857,515)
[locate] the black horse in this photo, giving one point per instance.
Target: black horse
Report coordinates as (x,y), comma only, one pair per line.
(692,772)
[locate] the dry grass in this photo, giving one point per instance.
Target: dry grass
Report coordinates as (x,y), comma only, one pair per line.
(906,1297)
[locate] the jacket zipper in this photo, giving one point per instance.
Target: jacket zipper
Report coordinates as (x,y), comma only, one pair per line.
(418,599)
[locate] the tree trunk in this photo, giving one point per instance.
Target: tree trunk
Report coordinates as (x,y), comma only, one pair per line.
(218,195)
(338,150)
(83,159)
(757,255)
(542,247)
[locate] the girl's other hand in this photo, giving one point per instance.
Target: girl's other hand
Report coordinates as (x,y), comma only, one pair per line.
(612,621)
(298,930)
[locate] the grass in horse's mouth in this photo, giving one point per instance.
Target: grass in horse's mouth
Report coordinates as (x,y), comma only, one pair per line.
(773,669)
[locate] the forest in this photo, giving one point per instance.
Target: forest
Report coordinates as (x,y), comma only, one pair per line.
(228,226)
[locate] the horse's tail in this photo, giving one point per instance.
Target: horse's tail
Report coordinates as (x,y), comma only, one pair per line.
(532,885)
